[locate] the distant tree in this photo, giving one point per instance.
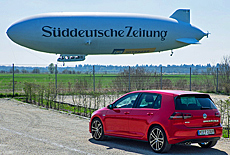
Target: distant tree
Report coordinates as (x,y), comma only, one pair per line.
(139,79)
(2,71)
(224,70)
(66,71)
(16,71)
(51,68)
(209,65)
(24,71)
(195,72)
(36,70)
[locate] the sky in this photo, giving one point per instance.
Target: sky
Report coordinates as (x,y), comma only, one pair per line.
(208,15)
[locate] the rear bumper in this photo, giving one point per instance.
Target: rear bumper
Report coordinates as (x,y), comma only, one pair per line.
(183,134)
(201,140)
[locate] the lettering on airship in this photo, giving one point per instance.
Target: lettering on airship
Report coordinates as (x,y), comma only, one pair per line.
(128,31)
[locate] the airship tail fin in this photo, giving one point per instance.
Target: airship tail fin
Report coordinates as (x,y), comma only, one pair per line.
(181,15)
(188,40)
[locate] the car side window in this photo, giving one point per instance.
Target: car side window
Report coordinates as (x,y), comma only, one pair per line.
(126,102)
(150,100)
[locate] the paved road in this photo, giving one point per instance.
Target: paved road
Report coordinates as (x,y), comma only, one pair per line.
(27,129)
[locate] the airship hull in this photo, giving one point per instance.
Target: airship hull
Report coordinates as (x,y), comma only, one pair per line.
(102,33)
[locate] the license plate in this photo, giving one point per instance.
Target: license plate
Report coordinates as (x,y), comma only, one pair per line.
(206,132)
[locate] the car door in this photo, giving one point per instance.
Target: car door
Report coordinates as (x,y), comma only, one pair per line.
(144,112)
(117,118)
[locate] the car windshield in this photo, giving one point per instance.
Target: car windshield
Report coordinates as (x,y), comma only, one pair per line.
(193,102)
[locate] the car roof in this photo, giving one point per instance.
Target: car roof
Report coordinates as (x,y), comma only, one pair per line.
(172,92)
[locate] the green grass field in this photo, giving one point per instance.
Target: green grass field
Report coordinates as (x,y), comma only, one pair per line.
(101,80)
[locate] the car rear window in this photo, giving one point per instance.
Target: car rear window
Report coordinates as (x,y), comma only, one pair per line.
(193,102)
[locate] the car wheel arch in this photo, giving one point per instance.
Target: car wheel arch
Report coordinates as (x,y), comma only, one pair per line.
(95,117)
(156,124)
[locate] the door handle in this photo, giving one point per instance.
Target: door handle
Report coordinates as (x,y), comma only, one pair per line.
(149,113)
(126,112)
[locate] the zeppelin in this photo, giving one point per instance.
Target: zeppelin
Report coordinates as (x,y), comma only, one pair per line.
(76,35)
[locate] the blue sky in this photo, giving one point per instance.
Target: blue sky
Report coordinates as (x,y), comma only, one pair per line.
(208,15)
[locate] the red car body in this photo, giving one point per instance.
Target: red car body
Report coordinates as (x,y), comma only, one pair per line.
(180,125)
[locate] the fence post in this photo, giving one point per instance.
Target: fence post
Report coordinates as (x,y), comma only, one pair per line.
(217,80)
(56,79)
(94,78)
(161,78)
(228,109)
(190,85)
(13,79)
(129,80)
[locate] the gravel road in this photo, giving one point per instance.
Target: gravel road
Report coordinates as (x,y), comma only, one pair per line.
(27,129)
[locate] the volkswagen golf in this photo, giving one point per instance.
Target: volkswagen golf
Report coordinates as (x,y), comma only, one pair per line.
(160,117)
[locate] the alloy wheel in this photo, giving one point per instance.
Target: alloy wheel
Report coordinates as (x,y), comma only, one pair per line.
(156,139)
(97,129)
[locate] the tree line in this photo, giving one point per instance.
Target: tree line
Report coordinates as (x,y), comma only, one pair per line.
(110,69)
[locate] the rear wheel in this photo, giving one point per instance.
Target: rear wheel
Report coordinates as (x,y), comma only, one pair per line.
(97,129)
(208,144)
(158,140)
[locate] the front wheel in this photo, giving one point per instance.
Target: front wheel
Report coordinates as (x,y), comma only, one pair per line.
(97,129)
(208,144)
(158,140)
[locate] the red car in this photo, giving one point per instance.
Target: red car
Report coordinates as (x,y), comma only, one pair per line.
(160,117)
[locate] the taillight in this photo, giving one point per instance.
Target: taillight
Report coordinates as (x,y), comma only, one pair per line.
(180,115)
(217,114)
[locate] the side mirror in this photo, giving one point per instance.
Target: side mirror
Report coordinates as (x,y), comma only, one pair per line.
(110,106)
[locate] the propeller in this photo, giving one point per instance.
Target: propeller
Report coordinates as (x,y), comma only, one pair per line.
(206,34)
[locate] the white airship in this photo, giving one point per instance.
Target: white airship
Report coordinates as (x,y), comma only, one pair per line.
(75,35)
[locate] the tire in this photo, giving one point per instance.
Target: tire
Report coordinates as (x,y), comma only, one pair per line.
(208,144)
(97,129)
(158,140)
